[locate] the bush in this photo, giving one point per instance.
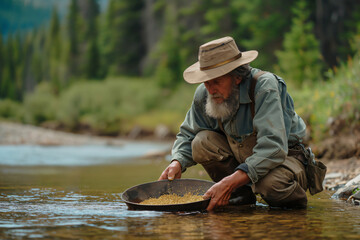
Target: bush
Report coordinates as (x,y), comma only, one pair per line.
(40,106)
(323,101)
(11,110)
(106,106)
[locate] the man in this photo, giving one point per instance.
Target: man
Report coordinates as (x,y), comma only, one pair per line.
(240,127)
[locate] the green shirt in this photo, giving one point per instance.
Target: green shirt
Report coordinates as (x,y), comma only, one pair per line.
(276,123)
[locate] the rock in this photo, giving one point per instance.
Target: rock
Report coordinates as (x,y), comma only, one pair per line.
(351,190)
(354,181)
(344,192)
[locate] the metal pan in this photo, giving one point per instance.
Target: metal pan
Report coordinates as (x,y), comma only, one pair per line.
(134,195)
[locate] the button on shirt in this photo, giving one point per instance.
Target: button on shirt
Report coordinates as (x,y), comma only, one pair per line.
(275,121)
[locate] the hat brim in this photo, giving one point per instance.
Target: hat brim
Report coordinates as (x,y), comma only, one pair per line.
(193,74)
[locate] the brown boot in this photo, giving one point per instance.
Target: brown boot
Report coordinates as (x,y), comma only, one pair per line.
(242,196)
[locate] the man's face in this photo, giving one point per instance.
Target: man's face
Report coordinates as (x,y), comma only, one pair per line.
(223,96)
(220,88)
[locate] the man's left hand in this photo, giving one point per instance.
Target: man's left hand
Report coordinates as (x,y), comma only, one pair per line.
(220,192)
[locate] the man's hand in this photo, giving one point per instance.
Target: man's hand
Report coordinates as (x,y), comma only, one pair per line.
(173,171)
(220,192)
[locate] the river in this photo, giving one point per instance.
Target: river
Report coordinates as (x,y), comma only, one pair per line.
(74,193)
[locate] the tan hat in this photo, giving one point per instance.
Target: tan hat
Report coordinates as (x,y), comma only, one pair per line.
(217,58)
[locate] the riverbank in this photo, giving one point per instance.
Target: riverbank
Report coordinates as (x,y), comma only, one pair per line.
(15,134)
(340,170)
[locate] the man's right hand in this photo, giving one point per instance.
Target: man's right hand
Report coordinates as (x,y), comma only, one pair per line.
(173,171)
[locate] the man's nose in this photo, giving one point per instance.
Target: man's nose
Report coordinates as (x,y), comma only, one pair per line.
(211,89)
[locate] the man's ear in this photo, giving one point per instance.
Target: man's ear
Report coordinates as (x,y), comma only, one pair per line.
(238,80)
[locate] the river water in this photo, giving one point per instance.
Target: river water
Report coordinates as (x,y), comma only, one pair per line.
(74,193)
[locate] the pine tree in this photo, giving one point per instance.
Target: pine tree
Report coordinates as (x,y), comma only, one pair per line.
(2,62)
(261,26)
(54,35)
(73,29)
(123,43)
(38,66)
(219,19)
(90,61)
(89,10)
(300,61)
(169,72)
(28,77)
(53,52)
(8,83)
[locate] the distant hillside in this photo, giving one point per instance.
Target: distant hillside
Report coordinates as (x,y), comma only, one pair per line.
(24,15)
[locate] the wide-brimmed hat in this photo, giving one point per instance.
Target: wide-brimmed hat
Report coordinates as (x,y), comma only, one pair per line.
(217,58)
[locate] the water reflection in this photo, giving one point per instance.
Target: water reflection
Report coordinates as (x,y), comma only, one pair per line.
(51,213)
(83,202)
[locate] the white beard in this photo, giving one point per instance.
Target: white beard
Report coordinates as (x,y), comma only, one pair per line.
(223,110)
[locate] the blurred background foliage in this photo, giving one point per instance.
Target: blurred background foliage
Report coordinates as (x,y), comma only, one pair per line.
(108,66)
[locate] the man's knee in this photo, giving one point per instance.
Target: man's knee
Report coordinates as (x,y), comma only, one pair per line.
(210,146)
(212,151)
(280,188)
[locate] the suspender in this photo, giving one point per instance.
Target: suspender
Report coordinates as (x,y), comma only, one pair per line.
(252,91)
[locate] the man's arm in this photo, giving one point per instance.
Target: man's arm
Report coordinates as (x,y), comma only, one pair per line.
(195,121)
(220,192)
(272,143)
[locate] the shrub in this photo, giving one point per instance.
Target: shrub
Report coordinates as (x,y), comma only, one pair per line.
(11,110)
(104,106)
(40,106)
(320,102)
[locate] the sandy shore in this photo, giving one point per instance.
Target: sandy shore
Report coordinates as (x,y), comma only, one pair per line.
(339,170)
(15,134)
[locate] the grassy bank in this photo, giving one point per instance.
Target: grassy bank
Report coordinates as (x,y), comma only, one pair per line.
(324,103)
(115,106)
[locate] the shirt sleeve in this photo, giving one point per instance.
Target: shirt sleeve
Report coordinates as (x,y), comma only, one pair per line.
(195,121)
(271,147)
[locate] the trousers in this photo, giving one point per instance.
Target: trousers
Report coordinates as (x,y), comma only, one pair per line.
(283,186)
